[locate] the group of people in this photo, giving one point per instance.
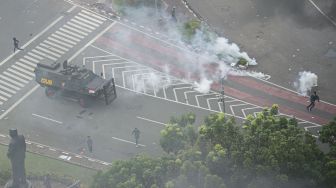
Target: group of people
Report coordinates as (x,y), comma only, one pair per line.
(135,133)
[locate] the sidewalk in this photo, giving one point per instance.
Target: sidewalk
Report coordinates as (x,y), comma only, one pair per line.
(58,154)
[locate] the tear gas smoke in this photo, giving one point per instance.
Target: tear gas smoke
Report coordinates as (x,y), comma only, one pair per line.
(305,82)
(203,86)
(204,50)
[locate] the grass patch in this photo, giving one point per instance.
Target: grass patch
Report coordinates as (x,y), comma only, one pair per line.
(40,165)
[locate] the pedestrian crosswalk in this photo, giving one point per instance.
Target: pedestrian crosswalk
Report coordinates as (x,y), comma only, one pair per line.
(52,48)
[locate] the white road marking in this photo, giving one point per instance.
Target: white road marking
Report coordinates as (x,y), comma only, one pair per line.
(79,27)
(31,59)
(243,110)
(72,33)
(3,98)
(196,96)
(56,45)
(25,66)
(86,21)
(90,18)
(28,62)
(91,41)
(153,121)
(44,55)
(67,36)
(63,39)
(5,94)
(23,71)
(127,141)
(75,30)
(71,9)
(51,48)
(33,39)
(16,77)
(34,55)
(60,42)
(208,101)
(11,80)
(46,118)
(93,14)
(9,85)
(83,24)
(235,105)
(128,71)
(309,127)
(174,90)
(48,52)
(324,14)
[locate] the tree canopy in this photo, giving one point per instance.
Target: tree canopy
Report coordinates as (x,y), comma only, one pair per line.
(263,151)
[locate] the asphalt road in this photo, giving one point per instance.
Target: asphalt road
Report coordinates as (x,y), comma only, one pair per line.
(285,37)
(25,19)
(131,53)
(62,123)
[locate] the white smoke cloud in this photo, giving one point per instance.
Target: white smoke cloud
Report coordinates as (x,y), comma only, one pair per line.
(305,82)
(204,86)
(230,52)
(205,50)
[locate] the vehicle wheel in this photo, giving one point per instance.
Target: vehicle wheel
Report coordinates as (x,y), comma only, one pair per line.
(50,91)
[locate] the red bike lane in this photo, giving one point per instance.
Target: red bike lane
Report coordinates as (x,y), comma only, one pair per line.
(145,49)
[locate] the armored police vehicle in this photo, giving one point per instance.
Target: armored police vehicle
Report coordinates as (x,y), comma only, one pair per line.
(75,82)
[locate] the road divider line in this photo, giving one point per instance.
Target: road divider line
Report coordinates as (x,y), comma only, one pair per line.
(33,39)
(18,102)
(324,14)
(91,41)
(127,141)
(36,115)
(150,120)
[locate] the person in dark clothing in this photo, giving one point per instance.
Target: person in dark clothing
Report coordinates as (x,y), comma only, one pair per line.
(313,98)
(89,143)
(16,44)
(65,64)
(173,14)
(136,134)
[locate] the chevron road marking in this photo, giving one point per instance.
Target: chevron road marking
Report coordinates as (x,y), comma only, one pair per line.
(174,90)
(186,93)
(235,105)
(243,110)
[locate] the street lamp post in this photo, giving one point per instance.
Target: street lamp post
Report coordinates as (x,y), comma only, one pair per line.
(222,97)
(156,8)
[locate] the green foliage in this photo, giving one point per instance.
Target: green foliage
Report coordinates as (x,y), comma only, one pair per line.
(137,172)
(184,120)
(172,138)
(268,152)
(189,29)
(4,176)
(242,61)
(328,134)
(274,109)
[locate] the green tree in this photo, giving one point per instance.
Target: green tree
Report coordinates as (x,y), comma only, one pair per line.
(172,138)
(183,120)
(190,28)
(328,135)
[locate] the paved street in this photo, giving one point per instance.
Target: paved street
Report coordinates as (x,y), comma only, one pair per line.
(68,34)
(25,20)
(138,57)
(285,37)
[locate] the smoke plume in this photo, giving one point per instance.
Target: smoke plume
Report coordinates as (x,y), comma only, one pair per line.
(305,82)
